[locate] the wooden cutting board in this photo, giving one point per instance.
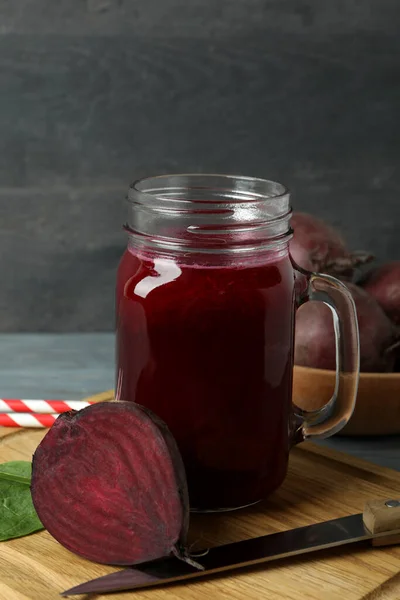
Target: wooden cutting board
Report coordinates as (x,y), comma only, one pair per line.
(320,485)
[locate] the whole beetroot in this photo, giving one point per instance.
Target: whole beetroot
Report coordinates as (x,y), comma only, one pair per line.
(108,483)
(318,247)
(383,283)
(315,337)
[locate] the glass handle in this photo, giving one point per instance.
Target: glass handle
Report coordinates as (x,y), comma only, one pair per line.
(334,415)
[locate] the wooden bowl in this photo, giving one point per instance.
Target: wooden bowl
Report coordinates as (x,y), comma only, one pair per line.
(377,409)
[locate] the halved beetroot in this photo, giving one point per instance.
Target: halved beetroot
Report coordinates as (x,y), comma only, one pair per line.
(109,484)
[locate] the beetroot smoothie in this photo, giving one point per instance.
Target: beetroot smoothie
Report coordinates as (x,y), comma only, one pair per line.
(209,350)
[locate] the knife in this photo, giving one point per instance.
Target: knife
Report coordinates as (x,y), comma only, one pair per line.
(380,522)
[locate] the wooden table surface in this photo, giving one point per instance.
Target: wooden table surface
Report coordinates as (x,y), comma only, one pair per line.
(77,365)
(321,484)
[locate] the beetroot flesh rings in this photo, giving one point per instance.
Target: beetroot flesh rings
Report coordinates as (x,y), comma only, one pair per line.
(109,484)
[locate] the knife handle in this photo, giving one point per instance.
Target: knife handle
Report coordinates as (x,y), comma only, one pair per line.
(380,516)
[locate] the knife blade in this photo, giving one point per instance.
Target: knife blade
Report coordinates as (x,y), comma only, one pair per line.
(379,522)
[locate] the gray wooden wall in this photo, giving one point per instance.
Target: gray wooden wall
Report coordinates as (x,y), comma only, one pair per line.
(95,93)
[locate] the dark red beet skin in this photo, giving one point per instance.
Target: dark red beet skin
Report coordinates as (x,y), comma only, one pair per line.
(109,484)
(318,247)
(383,283)
(315,337)
(315,244)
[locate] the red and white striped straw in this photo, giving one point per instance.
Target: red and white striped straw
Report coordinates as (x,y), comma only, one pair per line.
(14,405)
(18,419)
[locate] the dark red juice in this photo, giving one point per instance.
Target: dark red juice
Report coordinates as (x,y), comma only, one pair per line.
(209,349)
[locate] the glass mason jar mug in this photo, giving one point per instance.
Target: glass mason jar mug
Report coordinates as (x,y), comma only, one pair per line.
(205,302)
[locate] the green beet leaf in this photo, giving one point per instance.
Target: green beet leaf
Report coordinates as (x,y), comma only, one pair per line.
(17,513)
(19,471)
